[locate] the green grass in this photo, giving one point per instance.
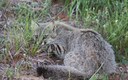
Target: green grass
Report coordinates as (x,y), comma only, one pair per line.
(108,17)
(21,34)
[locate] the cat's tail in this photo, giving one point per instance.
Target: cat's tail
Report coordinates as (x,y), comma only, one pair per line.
(60,71)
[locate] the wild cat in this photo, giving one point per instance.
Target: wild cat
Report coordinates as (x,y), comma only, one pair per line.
(83,52)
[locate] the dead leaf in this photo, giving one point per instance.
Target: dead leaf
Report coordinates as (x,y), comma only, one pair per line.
(114,77)
(62,17)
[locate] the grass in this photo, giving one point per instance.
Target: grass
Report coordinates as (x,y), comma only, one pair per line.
(22,30)
(20,34)
(108,17)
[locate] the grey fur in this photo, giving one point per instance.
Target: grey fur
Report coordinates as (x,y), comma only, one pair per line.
(85,51)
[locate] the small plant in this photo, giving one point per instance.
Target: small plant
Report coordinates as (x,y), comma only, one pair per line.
(10,73)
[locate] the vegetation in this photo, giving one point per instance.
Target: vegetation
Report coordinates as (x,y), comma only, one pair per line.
(108,17)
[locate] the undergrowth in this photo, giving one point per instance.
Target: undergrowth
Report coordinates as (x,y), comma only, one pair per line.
(20,38)
(108,17)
